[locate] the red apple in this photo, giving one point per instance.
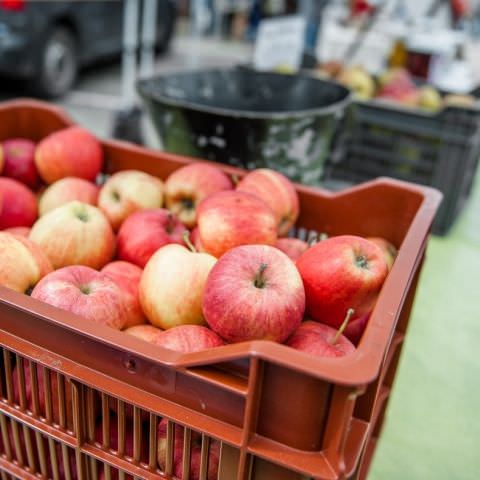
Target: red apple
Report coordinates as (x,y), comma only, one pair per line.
(148,333)
(19,205)
(67,190)
(75,234)
(188,338)
(277,191)
(355,328)
(22,231)
(127,277)
(320,340)
(188,186)
(388,249)
(145,231)
(229,219)
(22,263)
(195,239)
(172,284)
(340,273)
(195,452)
(292,247)
(19,161)
(85,292)
(254,292)
(128,191)
(71,152)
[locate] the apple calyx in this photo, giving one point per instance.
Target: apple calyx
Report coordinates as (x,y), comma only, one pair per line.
(259,281)
(361,261)
(186,239)
(188,203)
(85,289)
(115,195)
(343,326)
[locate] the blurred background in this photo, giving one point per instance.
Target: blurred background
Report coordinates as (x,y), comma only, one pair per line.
(413,67)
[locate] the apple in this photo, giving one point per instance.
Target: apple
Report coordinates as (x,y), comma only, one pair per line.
(388,249)
(429,98)
(321,340)
(229,219)
(67,190)
(19,161)
(458,100)
(172,284)
(19,205)
(195,239)
(254,292)
(41,392)
(71,152)
(292,247)
(277,191)
(22,231)
(148,333)
(2,160)
(22,263)
(75,234)
(195,452)
(145,231)
(355,328)
(127,277)
(187,186)
(340,273)
(128,191)
(188,338)
(84,292)
(359,81)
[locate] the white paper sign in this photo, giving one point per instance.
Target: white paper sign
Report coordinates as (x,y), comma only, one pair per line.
(280,43)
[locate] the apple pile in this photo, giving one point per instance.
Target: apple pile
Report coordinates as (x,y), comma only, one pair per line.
(192,262)
(396,85)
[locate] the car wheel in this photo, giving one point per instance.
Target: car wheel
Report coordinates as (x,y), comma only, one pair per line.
(58,64)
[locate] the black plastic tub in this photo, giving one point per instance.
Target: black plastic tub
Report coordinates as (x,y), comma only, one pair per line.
(248,119)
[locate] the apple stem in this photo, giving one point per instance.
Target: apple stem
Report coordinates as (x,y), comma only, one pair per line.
(169,227)
(343,326)
(186,239)
(259,281)
(235,179)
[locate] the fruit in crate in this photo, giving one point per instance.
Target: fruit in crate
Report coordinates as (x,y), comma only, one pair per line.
(359,80)
(18,204)
(321,340)
(195,452)
(145,231)
(71,152)
(172,286)
(388,249)
(254,292)
(128,191)
(84,292)
(148,333)
(188,186)
(22,263)
(75,234)
(340,273)
(19,161)
(231,218)
(127,276)
(67,190)
(397,85)
(429,98)
(188,338)
(55,380)
(277,191)
(292,247)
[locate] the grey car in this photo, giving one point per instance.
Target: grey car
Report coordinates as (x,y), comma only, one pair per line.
(48,42)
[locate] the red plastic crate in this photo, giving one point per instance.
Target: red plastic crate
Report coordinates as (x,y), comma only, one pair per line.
(277,413)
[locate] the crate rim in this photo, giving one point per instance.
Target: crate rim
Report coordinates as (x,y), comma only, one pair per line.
(359,368)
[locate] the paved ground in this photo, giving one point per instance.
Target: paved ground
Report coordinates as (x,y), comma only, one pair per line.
(432,430)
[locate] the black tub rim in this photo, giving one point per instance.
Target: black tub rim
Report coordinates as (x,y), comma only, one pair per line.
(338,106)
